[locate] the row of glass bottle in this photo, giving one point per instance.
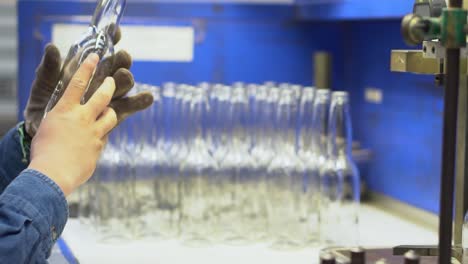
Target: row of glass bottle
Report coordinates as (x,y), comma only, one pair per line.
(220,164)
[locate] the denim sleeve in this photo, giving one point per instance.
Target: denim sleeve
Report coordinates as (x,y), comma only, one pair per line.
(14,155)
(33,213)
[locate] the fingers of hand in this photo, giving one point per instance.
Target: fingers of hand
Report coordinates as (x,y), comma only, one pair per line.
(103,71)
(127,106)
(124,82)
(109,67)
(51,60)
(122,60)
(105,123)
(48,72)
(80,80)
(117,34)
(101,99)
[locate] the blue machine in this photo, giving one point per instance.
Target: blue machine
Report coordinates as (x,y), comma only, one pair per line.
(260,42)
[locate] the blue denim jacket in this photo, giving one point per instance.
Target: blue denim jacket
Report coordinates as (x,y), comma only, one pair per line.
(33,209)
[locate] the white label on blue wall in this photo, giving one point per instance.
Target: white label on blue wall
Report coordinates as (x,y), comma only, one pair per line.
(373,95)
(144,43)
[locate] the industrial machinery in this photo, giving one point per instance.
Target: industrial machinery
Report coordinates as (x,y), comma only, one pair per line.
(442,31)
(449,30)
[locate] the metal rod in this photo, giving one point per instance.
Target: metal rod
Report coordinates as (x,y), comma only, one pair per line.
(448,155)
(461,189)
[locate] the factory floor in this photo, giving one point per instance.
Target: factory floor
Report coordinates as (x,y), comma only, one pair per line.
(378,228)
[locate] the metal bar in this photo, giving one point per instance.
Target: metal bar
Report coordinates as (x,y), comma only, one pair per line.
(461,159)
(422,251)
(448,155)
(414,61)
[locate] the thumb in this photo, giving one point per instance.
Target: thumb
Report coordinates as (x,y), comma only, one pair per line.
(48,72)
(47,77)
(124,107)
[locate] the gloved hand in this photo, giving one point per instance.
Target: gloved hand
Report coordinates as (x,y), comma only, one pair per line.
(55,151)
(47,77)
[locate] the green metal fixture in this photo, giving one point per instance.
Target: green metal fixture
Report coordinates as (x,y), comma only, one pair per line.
(453,22)
(449,28)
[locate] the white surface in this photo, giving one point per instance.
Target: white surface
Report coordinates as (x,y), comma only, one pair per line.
(144,43)
(378,229)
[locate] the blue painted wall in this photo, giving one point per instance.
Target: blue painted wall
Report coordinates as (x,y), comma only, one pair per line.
(405,131)
(254,43)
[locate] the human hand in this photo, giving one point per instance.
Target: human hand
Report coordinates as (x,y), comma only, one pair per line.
(70,139)
(48,74)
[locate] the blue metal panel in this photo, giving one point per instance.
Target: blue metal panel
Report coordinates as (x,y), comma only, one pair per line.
(234,42)
(404,131)
(33,34)
(353,9)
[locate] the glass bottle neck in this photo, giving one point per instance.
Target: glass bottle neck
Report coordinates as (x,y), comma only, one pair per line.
(285,125)
(195,119)
(107,16)
(153,114)
(340,134)
(305,119)
(320,123)
(236,121)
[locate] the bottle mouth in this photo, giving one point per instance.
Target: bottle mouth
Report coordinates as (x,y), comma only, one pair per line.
(340,97)
(169,91)
(308,90)
(322,91)
(107,15)
(307,97)
(270,84)
(204,85)
(274,93)
(340,94)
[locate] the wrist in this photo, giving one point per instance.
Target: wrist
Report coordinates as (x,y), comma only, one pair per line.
(52,173)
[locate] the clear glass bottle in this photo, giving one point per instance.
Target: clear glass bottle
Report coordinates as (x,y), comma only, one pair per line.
(115,189)
(145,129)
(158,160)
(284,180)
(220,135)
(166,184)
(182,133)
(196,184)
(298,89)
(261,155)
(305,124)
(263,152)
(235,174)
(179,147)
(252,114)
(213,133)
(324,167)
(98,39)
(340,150)
(310,195)
(261,119)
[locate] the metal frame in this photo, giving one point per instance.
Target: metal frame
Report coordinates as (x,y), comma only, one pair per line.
(454,130)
